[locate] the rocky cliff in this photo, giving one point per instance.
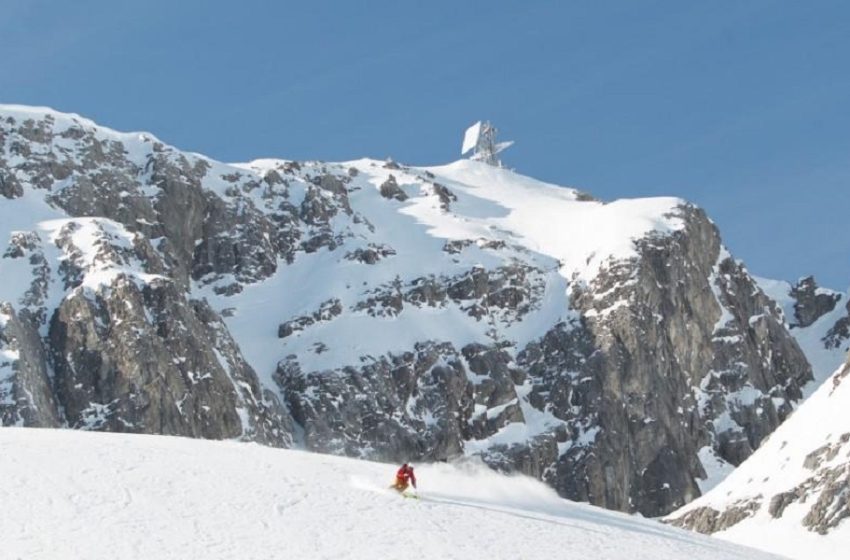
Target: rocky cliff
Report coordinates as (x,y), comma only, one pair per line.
(615,350)
(819,320)
(792,495)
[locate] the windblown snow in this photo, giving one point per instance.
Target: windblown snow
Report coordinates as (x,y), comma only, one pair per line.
(112,496)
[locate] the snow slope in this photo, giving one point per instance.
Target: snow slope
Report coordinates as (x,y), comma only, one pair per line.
(94,495)
(541,224)
(805,463)
(554,221)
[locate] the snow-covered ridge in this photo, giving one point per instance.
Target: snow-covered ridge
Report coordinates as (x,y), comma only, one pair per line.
(584,235)
(63,121)
(581,233)
(138,145)
(124,497)
(791,495)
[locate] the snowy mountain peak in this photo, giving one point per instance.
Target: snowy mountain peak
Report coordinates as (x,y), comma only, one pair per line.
(43,125)
(367,308)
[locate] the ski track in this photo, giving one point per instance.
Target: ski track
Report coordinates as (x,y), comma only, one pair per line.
(69,494)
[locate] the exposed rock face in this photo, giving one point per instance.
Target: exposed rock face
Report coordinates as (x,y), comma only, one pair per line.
(827,493)
(811,302)
(661,367)
(708,520)
(26,396)
(682,352)
(106,336)
(144,359)
(390,189)
(327,311)
(358,411)
(9,186)
(839,334)
(811,486)
(833,505)
(445,195)
(371,254)
(384,311)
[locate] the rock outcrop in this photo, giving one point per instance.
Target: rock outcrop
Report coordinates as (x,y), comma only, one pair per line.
(104,334)
(26,394)
(810,302)
(673,359)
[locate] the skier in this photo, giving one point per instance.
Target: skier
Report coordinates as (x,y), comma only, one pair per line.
(403,477)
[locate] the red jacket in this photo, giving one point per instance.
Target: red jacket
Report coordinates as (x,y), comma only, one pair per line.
(405,474)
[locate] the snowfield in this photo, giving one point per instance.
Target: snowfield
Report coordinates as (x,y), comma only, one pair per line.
(82,495)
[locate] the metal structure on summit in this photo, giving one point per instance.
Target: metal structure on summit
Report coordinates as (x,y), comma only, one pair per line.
(480,139)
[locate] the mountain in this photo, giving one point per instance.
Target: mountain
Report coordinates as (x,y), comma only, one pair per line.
(614,350)
(818,318)
(118,497)
(793,495)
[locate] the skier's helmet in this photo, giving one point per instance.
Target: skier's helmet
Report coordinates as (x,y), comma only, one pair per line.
(410,466)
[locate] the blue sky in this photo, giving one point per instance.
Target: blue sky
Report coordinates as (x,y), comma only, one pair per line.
(740,106)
